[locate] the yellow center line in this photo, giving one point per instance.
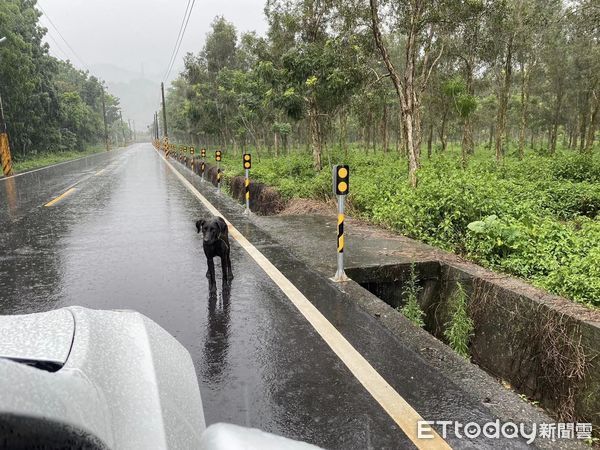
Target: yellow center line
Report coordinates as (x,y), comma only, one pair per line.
(60,197)
(391,401)
(71,188)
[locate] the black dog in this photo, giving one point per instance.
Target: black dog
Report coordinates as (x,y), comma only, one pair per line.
(216,243)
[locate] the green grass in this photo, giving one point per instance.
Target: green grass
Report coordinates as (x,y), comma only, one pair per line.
(47,159)
(537,219)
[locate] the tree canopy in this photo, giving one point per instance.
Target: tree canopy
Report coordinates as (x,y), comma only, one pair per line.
(501,74)
(49,105)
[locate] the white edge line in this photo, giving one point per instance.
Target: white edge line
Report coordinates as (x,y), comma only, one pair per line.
(393,403)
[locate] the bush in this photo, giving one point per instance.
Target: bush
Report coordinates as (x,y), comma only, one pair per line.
(410,294)
(460,327)
(577,167)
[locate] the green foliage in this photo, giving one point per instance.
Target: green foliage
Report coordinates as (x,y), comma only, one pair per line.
(493,237)
(410,294)
(464,103)
(460,327)
(543,228)
(577,167)
(49,105)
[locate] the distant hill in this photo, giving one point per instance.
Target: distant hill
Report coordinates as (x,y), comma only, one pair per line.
(139,93)
(139,99)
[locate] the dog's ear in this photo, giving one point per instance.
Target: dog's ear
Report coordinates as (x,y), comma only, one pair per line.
(199,224)
(222,225)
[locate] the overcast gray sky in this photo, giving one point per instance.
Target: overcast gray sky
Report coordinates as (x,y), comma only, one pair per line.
(131,33)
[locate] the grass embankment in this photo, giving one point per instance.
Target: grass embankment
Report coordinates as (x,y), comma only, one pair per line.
(39,160)
(537,219)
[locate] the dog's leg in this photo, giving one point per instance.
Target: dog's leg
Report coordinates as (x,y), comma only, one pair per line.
(224,268)
(229,271)
(212,283)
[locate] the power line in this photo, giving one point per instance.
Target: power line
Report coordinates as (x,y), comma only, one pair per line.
(57,45)
(186,20)
(64,40)
(178,37)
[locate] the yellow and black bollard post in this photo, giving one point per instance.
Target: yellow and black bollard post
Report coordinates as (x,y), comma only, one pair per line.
(218,156)
(341,185)
(247,161)
(202,166)
(5,157)
(192,153)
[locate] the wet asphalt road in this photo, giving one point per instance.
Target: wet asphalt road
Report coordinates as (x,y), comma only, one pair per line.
(125,239)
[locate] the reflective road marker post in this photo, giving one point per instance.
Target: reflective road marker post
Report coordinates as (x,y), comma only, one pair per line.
(247,160)
(218,159)
(192,152)
(202,166)
(341,185)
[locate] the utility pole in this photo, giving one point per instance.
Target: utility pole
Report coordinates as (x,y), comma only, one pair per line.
(130,132)
(164,108)
(156,130)
(134,133)
(123,128)
(5,156)
(157,125)
(104,116)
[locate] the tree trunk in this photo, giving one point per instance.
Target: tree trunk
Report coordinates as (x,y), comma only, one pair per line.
(370,131)
(413,157)
(429,140)
(276,143)
(525,74)
(409,91)
(503,101)
(315,135)
(583,129)
(571,135)
(552,138)
(384,129)
(443,129)
(591,132)
(400,136)
(344,132)
(556,120)
(467,147)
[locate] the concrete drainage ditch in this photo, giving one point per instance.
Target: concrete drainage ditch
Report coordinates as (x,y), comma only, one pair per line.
(543,351)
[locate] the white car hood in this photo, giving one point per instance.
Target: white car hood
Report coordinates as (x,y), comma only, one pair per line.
(42,340)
